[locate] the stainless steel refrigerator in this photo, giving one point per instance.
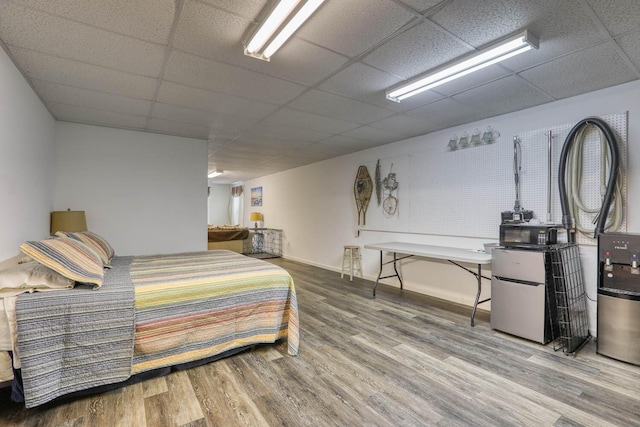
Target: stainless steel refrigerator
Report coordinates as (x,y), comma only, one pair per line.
(522,299)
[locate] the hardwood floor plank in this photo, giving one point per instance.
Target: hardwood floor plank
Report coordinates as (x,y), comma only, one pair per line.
(221,402)
(177,406)
(532,396)
(154,386)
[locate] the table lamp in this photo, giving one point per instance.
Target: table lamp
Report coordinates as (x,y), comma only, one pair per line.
(256,216)
(68,221)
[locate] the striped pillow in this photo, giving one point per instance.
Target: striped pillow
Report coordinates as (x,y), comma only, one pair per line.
(99,245)
(69,257)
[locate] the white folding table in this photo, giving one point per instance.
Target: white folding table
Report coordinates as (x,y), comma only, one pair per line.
(453,255)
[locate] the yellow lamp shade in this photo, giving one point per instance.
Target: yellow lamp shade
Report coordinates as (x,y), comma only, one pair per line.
(68,221)
(256,216)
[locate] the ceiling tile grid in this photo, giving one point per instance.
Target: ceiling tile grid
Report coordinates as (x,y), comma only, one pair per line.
(177,67)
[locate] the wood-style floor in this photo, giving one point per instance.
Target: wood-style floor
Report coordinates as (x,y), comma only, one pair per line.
(399,360)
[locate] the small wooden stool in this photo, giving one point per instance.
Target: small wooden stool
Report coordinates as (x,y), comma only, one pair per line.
(351,259)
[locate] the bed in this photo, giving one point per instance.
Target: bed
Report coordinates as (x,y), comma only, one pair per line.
(226,237)
(145,314)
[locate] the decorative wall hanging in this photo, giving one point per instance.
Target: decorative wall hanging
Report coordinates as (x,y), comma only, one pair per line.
(362,189)
(390,184)
(256,196)
(378,183)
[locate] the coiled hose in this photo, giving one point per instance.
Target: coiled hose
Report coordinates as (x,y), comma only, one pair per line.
(572,153)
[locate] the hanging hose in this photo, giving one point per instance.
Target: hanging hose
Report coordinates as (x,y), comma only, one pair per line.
(572,153)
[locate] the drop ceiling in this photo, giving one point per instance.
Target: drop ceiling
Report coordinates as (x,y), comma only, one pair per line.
(178,68)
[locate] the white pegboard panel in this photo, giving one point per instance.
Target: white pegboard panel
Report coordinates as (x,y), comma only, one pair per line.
(535,147)
(461,193)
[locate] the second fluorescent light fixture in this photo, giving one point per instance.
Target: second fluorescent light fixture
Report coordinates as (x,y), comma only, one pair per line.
(215,173)
(266,41)
(512,46)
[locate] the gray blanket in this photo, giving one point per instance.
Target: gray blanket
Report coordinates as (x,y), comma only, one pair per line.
(77,339)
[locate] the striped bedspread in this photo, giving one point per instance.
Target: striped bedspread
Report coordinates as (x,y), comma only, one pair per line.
(76,339)
(195,305)
(151,312)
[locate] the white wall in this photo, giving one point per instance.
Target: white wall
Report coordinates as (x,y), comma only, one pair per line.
(143,192)
(219,204)
(315,205)
(26,161)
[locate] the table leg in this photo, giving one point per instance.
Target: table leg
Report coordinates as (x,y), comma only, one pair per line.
(475,304)
(396,270)
(379,274)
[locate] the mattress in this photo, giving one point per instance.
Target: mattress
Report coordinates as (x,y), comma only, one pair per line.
(6,342)
(5,333)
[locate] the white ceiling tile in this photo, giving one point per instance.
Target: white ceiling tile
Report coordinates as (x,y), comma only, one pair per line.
(62,94)
(237,156)
(630,45)
(64,112)
(353,144)
(179,128)
(406,126)
(144,19)
(339,107)
(332,149)
(72,73)
(483,22)
(43,32)
(619,19)
(368,22)
(249,9)
(247,148)
(415,51)
(301,119)
(590,70)
(446,113)
(267,145)
(421,5)
(301,155)
(281,132)
(218,77)
(502,96)
(227,127)
(173,93)
(372,134)
(364,83)
(210,32)
(215,144)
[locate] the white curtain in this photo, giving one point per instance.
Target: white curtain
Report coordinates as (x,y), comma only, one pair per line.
(236,206)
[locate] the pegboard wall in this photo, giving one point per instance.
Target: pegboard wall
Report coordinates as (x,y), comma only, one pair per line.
(463,192)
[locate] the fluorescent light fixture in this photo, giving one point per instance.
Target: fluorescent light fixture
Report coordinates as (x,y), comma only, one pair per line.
(266,34)
(508,48)
(215,173)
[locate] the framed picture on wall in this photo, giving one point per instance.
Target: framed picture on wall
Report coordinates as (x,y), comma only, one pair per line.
(256,196)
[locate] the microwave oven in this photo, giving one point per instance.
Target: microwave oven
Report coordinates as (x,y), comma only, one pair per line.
(524,234)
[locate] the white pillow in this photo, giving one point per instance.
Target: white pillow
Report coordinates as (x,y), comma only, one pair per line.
(29,277)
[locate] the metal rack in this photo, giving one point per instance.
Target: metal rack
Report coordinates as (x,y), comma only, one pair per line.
(571,299)
(263,243)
